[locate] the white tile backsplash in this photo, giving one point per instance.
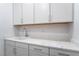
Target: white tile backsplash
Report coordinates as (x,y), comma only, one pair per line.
(60,32)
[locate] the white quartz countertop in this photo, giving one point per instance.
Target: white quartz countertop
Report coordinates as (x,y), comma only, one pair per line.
(47,43)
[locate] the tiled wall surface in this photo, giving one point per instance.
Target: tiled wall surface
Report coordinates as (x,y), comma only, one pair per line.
(60,32)
(6,25)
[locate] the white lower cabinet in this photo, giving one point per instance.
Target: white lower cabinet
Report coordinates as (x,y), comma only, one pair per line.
(38,51)
(13,48)
(60,52)
(21,49)
(10,49)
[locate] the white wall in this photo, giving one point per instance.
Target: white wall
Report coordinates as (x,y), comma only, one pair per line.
(6,28)
(75,38)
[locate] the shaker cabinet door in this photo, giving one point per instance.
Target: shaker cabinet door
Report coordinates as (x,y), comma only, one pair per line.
(62,52)
(61,12)
(38,51)
(41,12)
(10,50)
(17,13)
(21,51)
(28,13)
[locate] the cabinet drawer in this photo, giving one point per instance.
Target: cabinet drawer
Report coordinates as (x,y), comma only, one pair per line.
(9,50)
(9,42)
(19,44)
(60,52)
(38,50)
(21,51)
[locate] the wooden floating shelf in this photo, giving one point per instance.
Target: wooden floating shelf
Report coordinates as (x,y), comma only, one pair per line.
(43,23)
